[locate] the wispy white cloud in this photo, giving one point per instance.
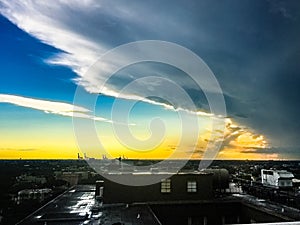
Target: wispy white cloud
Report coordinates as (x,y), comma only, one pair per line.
(64,26)
(46,21)
(59,108)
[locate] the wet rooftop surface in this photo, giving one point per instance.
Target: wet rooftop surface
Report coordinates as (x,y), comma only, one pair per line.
(77,206)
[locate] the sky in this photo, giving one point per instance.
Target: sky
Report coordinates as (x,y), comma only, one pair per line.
(49,50)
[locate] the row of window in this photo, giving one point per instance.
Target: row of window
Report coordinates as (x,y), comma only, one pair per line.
(191,186)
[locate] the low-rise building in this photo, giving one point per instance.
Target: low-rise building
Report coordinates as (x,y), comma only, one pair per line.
(178,186)
(33,194)
(277,178)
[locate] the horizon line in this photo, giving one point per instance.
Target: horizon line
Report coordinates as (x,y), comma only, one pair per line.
(133,159)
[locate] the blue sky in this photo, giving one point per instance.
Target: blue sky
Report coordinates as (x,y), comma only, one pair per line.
(252,47)
(23,69)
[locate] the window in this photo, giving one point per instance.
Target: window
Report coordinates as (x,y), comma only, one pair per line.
(268,172)
(165,186)
(192,186)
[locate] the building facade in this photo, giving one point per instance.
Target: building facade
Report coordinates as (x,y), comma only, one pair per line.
(179,186)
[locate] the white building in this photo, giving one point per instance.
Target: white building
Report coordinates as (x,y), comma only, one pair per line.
(277,178)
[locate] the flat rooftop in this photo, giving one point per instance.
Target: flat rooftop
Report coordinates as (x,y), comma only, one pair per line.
(71,207)
(77,207)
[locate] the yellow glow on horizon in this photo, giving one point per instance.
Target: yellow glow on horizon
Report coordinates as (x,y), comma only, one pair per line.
(249,140)
(243,144)
(240,154)
(60,143)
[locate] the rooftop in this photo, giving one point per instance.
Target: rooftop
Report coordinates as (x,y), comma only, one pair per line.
(77,207)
